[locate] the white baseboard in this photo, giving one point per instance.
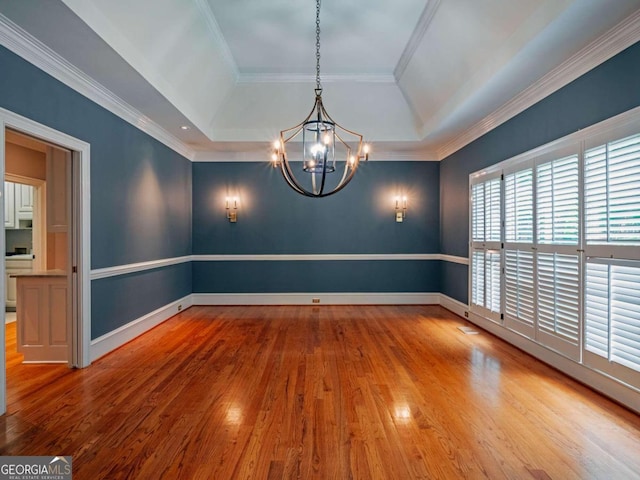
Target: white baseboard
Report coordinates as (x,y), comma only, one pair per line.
(453,305)
(598,381)
(118,337)
(324,298)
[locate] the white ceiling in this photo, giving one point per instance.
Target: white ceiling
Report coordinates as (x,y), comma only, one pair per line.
(412,75)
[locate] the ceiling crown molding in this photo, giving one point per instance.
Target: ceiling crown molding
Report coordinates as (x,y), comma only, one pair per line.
(37,53)
(614,41)
(214,29)
(416,37)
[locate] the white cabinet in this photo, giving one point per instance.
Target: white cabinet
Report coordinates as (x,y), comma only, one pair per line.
(24,201)
(14,266)
(9,205)
(18,205)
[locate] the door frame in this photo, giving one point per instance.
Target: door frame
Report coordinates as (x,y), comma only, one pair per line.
(80,280)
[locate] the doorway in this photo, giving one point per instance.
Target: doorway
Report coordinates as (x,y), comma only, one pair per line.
(58,246)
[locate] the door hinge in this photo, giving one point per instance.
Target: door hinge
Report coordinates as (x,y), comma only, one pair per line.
(74,269)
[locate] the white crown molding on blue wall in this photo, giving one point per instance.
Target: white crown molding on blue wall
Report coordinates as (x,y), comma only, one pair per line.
(37,53)
(605,47)
(107,272)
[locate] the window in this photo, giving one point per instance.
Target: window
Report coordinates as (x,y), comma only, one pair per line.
(612,283)
(486,219)
(518,202)
(486,232)
(569,249)
(612,192)
(558,295)
(612,311)
(542,265)
(519,287)
(557,201)
(518,251)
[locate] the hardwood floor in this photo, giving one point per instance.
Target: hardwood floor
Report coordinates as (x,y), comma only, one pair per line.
(330,392)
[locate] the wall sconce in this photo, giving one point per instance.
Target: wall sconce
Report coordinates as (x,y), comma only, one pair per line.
(231,205)
(401,208)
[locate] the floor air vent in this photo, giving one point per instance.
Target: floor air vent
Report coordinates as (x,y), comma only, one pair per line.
(468,330)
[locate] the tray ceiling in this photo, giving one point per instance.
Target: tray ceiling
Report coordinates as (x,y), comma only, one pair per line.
(413,76)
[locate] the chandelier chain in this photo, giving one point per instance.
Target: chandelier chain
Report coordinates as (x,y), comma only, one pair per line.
(318,85)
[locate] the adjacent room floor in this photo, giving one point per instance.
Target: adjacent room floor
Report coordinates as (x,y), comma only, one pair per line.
(329,392)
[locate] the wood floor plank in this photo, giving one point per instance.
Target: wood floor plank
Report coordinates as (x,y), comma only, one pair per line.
(325,392)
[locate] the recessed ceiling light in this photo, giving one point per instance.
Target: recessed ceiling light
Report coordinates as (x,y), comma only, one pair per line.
(185,127)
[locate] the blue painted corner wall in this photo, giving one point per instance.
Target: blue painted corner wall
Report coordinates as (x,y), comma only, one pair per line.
(607,90)
(140,192)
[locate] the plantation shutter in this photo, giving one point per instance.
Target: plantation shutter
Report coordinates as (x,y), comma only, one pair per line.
(493,211)
(478,273)
(486,265)
(519,287)
(518,254)
(612,192)
(625,315)
(558,295)
(477,214)
(597,309)
(518,206)
(557,202)
(492,278)
(613,311)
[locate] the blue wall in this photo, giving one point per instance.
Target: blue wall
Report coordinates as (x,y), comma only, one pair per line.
(140,190)
(324,276)
(607,90)
(273,219)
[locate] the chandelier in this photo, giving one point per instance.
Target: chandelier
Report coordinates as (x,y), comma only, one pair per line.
(330,153)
